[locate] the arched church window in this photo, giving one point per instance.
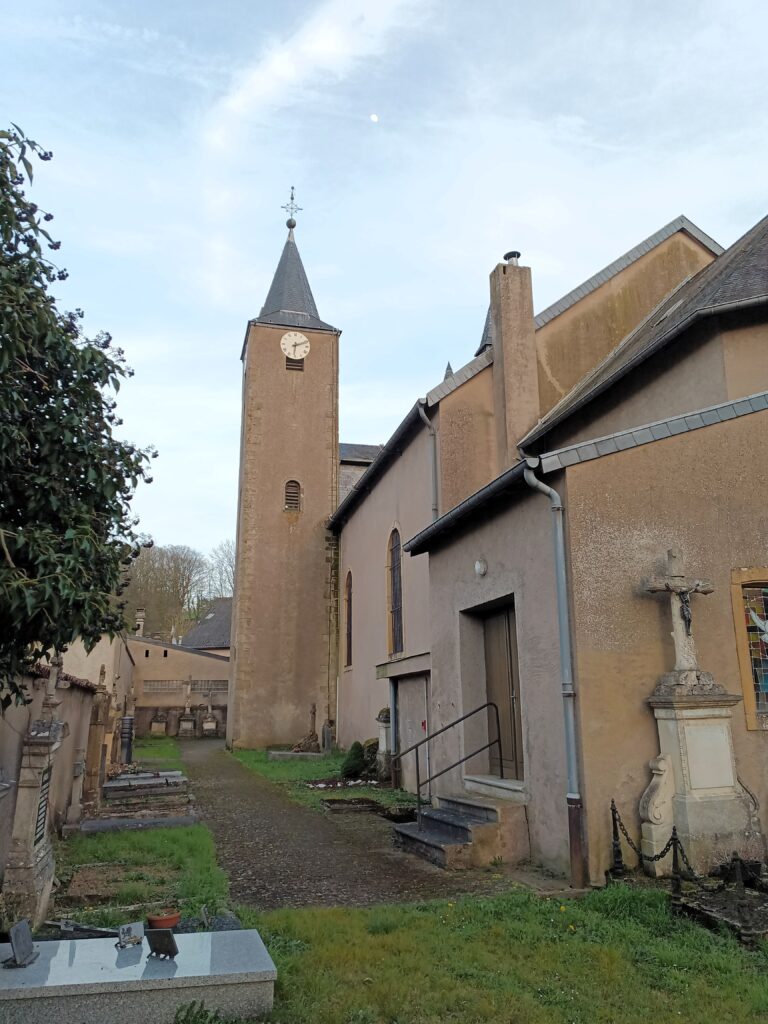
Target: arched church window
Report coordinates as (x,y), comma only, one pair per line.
(293,496)
(348,620)
(395,593)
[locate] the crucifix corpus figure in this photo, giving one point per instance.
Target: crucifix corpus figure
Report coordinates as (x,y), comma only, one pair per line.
(680,587)
(187,692)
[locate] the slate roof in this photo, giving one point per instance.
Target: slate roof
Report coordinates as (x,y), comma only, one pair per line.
(214,628)
(360,453)
(290,302)
(461,376)
(680,223)
(736,279)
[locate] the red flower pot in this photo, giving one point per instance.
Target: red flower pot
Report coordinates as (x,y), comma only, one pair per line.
(165,919)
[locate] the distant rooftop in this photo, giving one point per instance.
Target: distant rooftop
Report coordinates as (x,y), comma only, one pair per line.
(213,630)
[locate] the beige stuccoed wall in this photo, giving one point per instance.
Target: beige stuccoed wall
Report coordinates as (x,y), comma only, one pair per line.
(171,662)
(401,498)
(517,546)
(179,665)
(745,356)
(717,361)
(574,342)
(284,628)
(467,439)
(707,493)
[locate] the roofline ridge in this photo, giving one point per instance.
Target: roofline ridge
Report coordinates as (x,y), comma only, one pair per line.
(679,223)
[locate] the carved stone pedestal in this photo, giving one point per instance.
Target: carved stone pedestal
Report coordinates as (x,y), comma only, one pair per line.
(187,725)
(709,808)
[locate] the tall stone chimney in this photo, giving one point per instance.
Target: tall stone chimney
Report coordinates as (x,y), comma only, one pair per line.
(515,372)
(140,616)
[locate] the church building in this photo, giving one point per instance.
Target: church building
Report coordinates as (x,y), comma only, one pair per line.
(558,562)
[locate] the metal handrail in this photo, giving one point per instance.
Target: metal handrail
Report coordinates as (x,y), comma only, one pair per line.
(438,732)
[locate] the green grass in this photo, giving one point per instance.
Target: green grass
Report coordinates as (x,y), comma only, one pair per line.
(158,753)
(175,866)
(291,775)
(614,957)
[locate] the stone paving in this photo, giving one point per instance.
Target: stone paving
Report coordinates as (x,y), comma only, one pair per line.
(281,854)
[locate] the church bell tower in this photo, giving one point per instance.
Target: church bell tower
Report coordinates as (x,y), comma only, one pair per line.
(283,652)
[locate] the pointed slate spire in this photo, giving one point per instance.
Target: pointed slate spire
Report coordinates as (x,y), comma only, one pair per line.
(487,339)
(448,372)
(290,302)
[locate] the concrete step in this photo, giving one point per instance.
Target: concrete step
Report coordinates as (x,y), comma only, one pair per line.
(433,844)
(461,826)
(476,807)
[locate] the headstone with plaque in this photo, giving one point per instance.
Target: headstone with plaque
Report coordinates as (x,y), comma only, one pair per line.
(23,950)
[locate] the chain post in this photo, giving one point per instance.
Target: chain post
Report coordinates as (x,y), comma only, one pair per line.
(618,867)
(677,887)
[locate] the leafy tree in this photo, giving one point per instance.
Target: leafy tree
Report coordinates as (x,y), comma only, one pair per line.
(66,533)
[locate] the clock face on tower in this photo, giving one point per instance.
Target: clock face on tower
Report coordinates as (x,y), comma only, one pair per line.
(295,345)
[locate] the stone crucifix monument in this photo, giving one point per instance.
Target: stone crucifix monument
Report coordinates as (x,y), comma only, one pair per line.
(187,719)
(694,784)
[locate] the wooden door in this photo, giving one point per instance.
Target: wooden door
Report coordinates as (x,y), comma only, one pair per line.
(412,713)
(502,687)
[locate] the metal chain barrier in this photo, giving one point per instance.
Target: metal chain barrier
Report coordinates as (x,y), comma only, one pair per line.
(672,845)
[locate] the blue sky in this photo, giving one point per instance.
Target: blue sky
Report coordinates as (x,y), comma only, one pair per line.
(568,130)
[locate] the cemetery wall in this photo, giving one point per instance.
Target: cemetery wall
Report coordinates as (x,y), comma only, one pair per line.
(160,675)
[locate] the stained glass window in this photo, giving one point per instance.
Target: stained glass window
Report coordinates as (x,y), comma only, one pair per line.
(755,598)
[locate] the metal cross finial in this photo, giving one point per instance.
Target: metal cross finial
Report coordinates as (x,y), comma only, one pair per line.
(290,207)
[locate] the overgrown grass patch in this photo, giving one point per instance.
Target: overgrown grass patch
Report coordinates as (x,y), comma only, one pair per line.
(293,774)
(616,956)
(158,753)
(142,869)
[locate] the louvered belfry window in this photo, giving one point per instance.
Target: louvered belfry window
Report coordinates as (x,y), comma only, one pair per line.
(294,364)
(395,594)
(293,496)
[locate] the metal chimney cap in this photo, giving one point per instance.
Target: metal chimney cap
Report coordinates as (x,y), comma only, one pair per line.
(512,256)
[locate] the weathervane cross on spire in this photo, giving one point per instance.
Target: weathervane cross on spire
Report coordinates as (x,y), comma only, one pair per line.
(291,209)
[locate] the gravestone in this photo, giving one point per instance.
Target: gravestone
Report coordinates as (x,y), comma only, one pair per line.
(85,981)
(23,950)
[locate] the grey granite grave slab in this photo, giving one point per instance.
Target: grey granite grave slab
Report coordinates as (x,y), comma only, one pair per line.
(84,981)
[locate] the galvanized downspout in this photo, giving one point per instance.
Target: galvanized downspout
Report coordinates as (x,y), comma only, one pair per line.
(433,457)
(575,806)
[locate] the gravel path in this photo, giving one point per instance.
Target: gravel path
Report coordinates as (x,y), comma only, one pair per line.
(281,854)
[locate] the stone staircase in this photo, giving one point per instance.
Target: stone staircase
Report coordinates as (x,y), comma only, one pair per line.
(460,832)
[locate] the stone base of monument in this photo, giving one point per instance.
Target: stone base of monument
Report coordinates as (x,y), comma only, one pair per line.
(80,981)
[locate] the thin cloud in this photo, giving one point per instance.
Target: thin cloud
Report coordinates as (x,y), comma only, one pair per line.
(328,47)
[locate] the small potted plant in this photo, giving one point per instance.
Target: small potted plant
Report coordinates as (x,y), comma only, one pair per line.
(167,917)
